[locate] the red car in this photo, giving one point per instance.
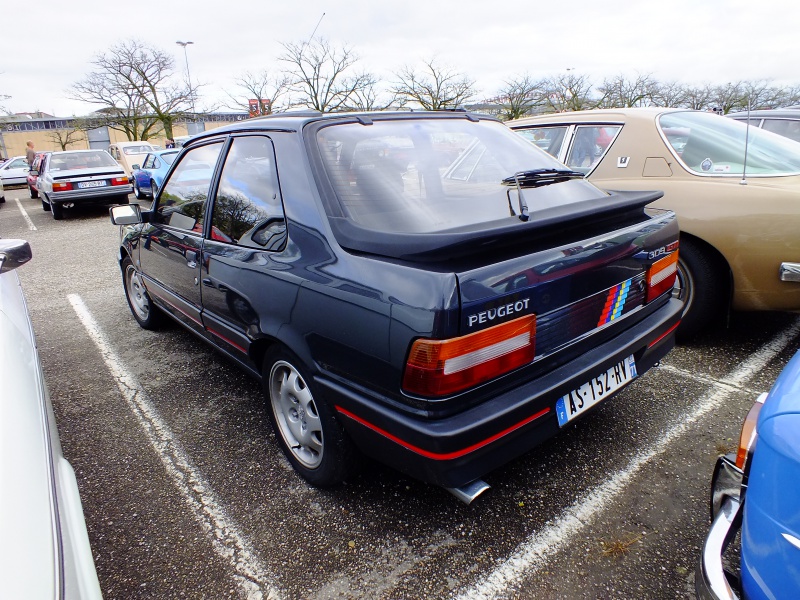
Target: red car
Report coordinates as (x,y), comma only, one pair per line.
(33,174)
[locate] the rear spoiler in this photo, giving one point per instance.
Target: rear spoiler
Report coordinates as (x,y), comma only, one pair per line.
(621,205)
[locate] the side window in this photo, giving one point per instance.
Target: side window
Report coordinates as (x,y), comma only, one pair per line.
(589,145)
(549,139)
(789,128)
(248,208)
(148,162)
(155,164)
(18,164)
(183,198)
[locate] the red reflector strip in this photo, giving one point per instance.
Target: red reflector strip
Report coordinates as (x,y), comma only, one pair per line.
(442,455)
(663,335)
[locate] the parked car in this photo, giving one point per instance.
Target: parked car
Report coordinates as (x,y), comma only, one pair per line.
(148,177)
(426,288)
(739,242)
(47,548)
(33,174)
(14,171)
(65,179)
(784,121)
(128,154)
(2,193)
(757,492)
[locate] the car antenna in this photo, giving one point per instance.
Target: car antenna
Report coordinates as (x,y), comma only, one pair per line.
(746,140)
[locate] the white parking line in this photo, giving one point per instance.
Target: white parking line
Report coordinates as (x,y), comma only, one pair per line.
(532,554)
(31,226)
(227,541)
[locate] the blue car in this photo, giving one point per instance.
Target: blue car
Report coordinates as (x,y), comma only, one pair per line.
(757,492)
(147,179)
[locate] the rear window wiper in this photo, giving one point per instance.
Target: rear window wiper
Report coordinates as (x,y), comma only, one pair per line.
(540,177)
(535,178)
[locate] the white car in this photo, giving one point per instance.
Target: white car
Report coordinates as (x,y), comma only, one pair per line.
(46,546)
(80,177)
(14,171)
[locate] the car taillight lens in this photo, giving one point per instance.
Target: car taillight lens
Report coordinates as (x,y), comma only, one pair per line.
(442,367)
(62,186)
(119,181)
(748,436)
(661,276)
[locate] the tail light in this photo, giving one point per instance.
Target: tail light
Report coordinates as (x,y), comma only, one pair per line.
(442,367)
(119,181)
(661,276)
(748,436)
(62,186)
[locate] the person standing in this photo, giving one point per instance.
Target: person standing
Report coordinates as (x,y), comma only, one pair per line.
(30,153)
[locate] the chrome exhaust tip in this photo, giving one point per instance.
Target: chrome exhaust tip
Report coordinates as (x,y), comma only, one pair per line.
(68,204)
(467,493)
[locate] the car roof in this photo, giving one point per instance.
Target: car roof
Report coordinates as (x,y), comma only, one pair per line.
(777,113)
(296,120)
(597,115)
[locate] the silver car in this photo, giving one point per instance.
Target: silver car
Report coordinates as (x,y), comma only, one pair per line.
(80,177)
(46,551)
(14,171)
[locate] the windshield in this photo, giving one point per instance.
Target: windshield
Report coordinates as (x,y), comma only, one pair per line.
(709,144)
(432,175)
(137,149)
(64,161)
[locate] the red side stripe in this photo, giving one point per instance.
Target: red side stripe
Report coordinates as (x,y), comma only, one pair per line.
(440,455)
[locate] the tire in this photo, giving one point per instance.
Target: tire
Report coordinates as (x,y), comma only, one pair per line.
(702,287)
(45,205)
(57,210)
(153,189)
(147,314)
(136,191)
(34,193)
(310,436)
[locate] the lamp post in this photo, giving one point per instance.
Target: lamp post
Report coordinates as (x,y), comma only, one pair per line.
(188,75)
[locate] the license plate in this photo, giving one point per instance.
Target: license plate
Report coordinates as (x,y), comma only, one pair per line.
(593,391)
(91,184)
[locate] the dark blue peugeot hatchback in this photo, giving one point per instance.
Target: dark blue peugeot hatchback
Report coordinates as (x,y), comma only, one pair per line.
(427,289)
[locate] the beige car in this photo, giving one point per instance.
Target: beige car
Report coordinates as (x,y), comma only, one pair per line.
(738,203)
(130,154)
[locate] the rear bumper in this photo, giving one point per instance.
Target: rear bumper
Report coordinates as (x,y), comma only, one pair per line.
(102,194)
(461,448)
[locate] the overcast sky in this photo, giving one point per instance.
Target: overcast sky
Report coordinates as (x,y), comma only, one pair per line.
(48,45)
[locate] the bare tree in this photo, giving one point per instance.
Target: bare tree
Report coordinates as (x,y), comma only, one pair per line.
(728,97)
(621,92)
(263,87)
(135,84)
(435,87)
(320,74)
(66,137)
(699,98)
(570,92)
(371,98)
(669,94)
(520,96)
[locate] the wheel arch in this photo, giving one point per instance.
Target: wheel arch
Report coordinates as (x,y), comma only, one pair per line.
(719,260)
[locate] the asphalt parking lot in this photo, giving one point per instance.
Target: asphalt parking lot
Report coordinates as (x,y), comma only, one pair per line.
(187,495)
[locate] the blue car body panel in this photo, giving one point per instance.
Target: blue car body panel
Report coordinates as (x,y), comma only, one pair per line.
(143,177)
(770,561)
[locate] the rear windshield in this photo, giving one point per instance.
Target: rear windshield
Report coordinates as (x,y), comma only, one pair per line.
(137,149)
(168,157)
(434,175)
(64,161)
(710,144)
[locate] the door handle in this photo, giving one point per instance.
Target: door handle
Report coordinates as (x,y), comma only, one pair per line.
(210,283)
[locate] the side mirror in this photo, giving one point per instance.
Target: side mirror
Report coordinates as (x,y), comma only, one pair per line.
(34,172)
(136,167)
(125,214)
(13,254)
